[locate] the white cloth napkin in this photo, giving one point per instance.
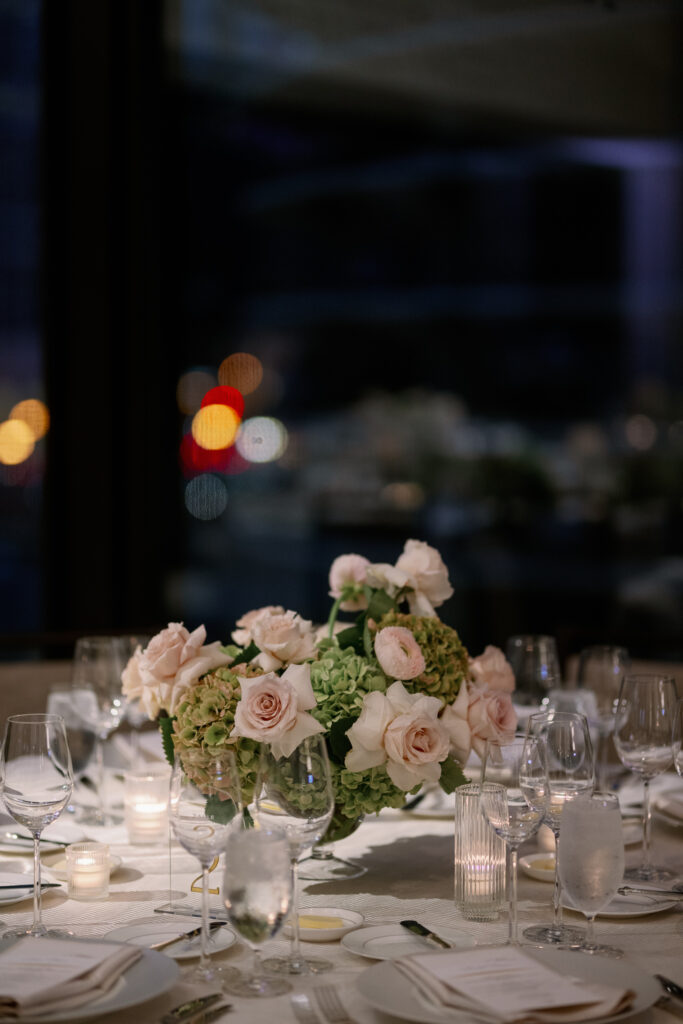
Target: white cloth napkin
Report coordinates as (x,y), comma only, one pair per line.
(42,975)
(503,984)
(670,804)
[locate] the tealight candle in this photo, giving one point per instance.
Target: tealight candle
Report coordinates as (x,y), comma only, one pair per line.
(145,804)
(87,871)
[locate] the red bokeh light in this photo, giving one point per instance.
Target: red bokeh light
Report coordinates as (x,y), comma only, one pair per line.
(195,460)
(225,394)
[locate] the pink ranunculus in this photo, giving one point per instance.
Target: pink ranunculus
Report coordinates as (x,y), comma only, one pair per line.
(399,653)
(428,577)
(243,634)
(454,719)
(274,709)
(283,639)
(491,717)
(492,670)
(171,663)
(348,571)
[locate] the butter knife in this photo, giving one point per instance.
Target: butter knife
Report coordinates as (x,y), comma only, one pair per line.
(419,929)
(185,935)
(631,890)
(191,1009)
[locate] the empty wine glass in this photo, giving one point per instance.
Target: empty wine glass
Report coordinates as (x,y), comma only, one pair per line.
(568,753)
(644,722)
(536,666)
(257,890)
(601,669)
(98,664)
(204,807)
(677,738)
(75,706)
(35,782)
(512,799)
(295,794)
(591,859)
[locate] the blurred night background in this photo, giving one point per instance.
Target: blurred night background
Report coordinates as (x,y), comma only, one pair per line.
(436,246)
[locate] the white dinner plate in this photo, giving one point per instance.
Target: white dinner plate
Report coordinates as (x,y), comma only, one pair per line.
(540,866)
(151,975)
(634,905)
(390,941)
(58,867)
(387,989)
(148,931)
(323,930)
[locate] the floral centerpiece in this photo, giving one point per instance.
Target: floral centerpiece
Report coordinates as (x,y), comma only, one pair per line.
(394,691)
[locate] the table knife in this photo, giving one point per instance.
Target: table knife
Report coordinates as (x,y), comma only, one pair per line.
(191,1009)
(670,986)
(630,890)
(419,929)
(185,935)
(28,840)
(29,885)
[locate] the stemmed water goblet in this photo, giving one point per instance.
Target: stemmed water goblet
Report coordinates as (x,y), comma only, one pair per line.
(601,669)
(204,807)
(591,859)
(294,793)
(565,740)
(257,891)
(98,664)
(36,779)
(512,799)
(643,730)
(75,706)
(535,664)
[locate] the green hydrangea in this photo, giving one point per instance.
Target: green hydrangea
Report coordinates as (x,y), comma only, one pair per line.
(360,793)
(204,721)
(446,658)
(340,679)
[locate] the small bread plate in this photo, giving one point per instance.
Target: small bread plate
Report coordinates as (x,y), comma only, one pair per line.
(325,924)
(58,867)
(21,873)
(540,866)
(388,990)
(633,905)
(148,931)
(391,941)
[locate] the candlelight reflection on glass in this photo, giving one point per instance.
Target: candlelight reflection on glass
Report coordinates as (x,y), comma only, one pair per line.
(145,805)
(480,857)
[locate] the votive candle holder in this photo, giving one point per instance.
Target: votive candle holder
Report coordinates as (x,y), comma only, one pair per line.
(87,871)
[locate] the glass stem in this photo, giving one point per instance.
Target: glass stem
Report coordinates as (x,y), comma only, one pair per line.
(204,956)
(557,892)
(295,948)
(37,910)
(589,941)
(513,940)
(99,773)
(646,866)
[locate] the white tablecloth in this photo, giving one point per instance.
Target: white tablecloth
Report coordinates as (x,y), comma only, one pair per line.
(409,863)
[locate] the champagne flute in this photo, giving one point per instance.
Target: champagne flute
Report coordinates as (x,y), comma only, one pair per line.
(591,859)
(601,669)
(536,666)
(294,793)
(513,798)
(257,891)
(36,779)
(204,801)
(568,753)
(645,716)
(98,664)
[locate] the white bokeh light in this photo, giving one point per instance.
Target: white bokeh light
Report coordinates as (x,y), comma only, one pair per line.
(206,497)
(261,439)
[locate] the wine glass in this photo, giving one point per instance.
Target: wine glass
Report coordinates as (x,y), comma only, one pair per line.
(591,859)
(75,705)
(98,664)
(601,669)
(257,891)
(294,793)
(568,753)
(536,666)
(204,807)
(643,729)
(512,798)
(677,738)
(36,779)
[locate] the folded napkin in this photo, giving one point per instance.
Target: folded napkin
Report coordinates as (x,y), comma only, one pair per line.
(504,984)
(671,805)
(49,975)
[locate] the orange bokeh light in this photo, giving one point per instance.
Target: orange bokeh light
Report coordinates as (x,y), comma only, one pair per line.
(215,426)
(241,370)
(224,395)
(34,414)
(16,442)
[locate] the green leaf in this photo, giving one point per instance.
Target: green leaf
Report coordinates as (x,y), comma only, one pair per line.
(338,741)
(451,775)
(351,637)
(166,727)
(380,604)
(220,811)
(247,654)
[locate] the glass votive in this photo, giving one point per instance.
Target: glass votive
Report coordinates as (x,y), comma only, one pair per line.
(480,858)
(145,805)
(87,871)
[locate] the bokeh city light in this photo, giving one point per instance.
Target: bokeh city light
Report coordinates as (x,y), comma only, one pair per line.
(241,370)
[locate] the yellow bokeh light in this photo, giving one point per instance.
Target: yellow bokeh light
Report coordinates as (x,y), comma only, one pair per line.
(241,370)
(35,415)
(215,426)
(16,442)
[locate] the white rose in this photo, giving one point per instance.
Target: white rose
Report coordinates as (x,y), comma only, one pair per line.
(243,634)
(427,575)
(282,639)
(274,709)
(454,719)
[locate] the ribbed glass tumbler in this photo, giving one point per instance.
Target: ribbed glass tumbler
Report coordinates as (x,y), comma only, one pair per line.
(479,860)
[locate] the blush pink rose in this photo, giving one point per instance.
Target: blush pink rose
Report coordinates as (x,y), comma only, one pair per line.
(348,572)
(282,639)
(492,670)
(399,653)
(454,718)
(243,634)
(171,663)
(415,744)
(274,709)
(428,577)
(491,717)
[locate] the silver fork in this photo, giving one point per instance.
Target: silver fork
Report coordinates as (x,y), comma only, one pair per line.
(331,1006)
(303,1009)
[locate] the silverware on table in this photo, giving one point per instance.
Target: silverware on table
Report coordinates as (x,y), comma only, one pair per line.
(670,986)
(207,1016)
(18,839)
(186,1011)
(419,929)
(331,1005)
(632,890)
(29,885)
(185,935)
